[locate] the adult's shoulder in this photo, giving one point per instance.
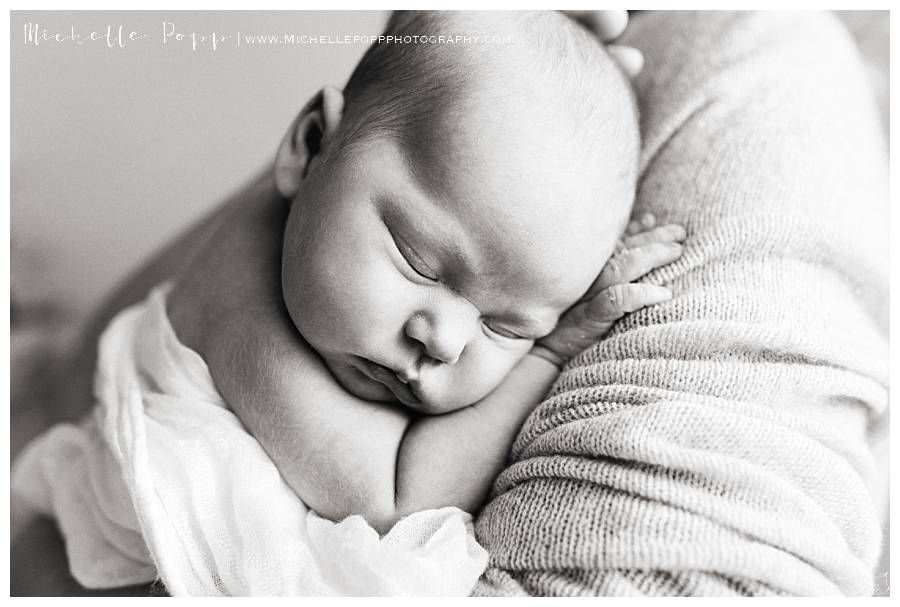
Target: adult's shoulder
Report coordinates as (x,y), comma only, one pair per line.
(766,113)
(798,65)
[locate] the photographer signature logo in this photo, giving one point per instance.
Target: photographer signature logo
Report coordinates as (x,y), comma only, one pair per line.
(120,37)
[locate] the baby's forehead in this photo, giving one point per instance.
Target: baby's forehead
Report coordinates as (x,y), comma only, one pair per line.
(485,156)
(506,157)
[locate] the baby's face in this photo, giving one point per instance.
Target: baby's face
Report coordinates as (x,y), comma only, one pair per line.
(424,277)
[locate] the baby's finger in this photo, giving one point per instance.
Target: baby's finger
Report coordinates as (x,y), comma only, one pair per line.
(648,221)
(640,223)
(630,265)
(618,300)
(667,233)
(630,59)
(606,25)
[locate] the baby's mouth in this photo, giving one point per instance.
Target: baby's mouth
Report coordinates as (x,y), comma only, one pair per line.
(383,375)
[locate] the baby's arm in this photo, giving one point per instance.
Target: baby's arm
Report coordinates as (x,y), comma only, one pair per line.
(334,450)
(343,455)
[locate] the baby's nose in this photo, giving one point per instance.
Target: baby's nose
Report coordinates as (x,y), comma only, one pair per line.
(445,343)
(443,338)
(445,355)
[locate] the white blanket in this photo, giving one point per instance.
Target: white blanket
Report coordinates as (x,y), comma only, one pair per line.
(164,481)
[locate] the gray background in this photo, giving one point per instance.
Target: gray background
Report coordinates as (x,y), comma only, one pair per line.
(113,150)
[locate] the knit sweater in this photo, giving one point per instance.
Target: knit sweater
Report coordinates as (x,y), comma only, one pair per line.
(720,443)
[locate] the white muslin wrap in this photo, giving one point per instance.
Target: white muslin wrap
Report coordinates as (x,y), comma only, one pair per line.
(164,481)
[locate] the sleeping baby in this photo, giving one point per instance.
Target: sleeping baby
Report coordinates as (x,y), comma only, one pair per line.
(457,229)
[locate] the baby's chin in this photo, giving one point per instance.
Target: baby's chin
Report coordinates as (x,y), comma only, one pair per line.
(437,406)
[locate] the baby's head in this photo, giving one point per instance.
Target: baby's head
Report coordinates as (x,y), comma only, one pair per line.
(453,201)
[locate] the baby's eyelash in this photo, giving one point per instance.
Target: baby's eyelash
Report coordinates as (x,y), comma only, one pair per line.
(501,332)
(407,255)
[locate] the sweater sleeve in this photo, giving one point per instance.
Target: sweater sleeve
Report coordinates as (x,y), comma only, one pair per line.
(720,443)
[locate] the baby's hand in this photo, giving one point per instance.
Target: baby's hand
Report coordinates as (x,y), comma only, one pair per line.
(645,247)
(609,25)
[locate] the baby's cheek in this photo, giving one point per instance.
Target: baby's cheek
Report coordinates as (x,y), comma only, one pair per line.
(454,387)
(489,364)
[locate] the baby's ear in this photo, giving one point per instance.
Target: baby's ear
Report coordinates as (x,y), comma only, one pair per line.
(316,124)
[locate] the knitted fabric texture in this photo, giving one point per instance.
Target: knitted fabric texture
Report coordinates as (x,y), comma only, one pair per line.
(720,443)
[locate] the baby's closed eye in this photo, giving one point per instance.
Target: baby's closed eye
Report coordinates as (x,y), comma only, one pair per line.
(413,259)
(498,329)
